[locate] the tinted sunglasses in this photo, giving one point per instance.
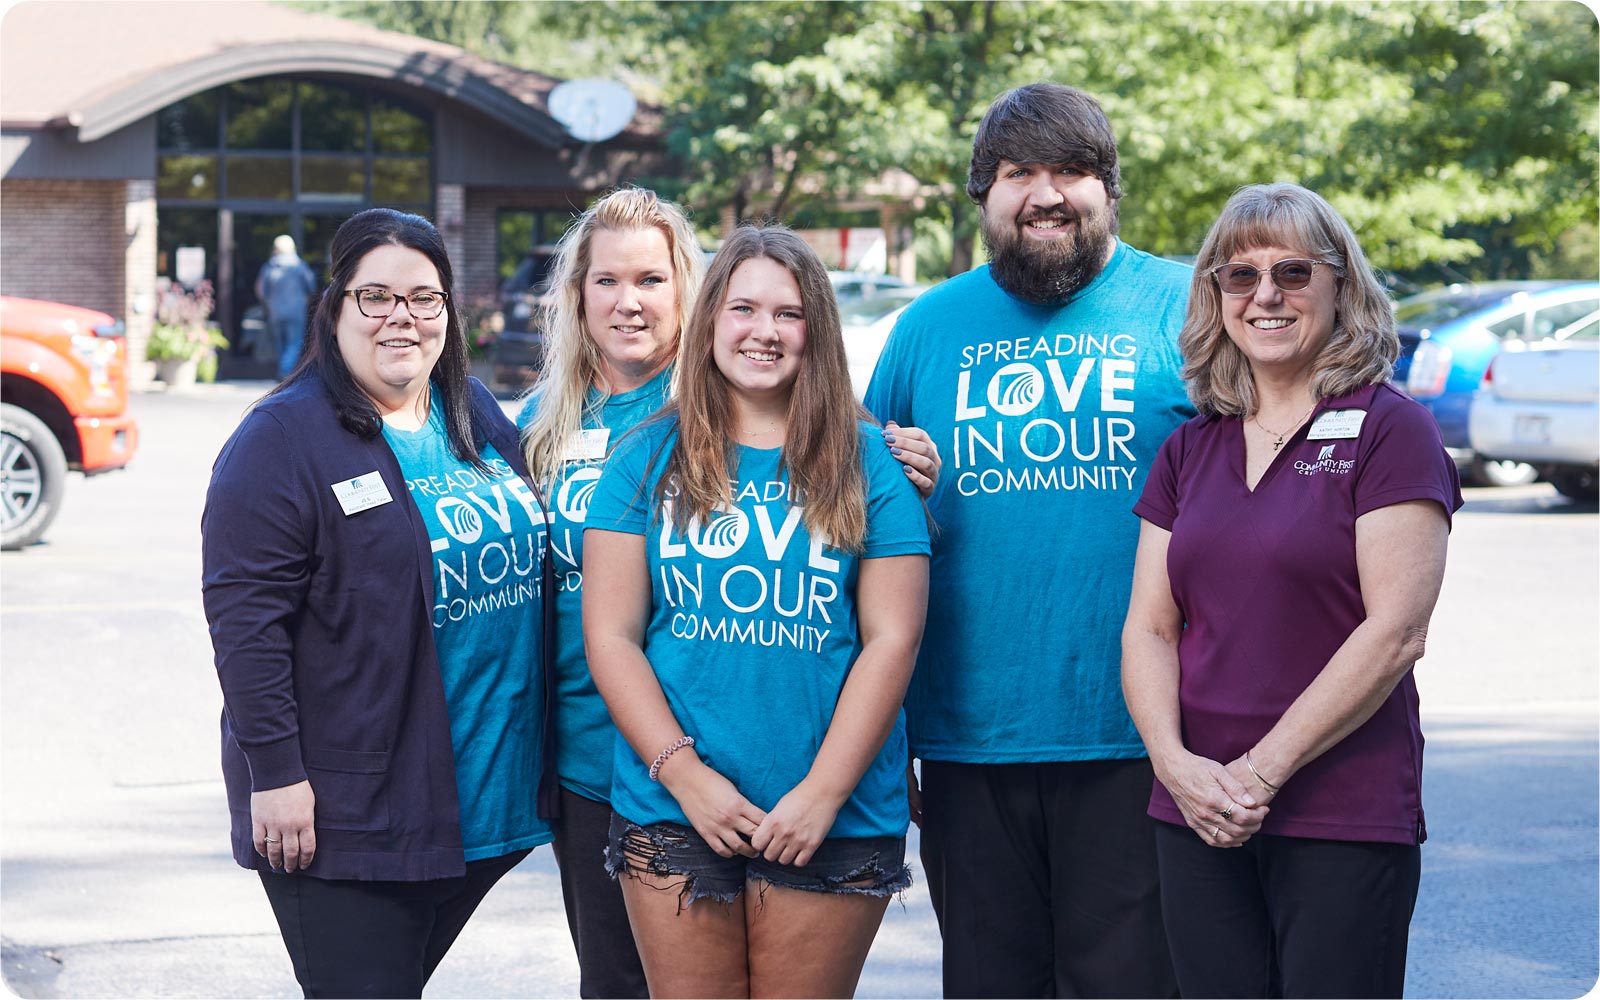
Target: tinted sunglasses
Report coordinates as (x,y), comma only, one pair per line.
(1290,275)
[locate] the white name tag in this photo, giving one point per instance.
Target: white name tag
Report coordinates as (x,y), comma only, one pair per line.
(589,445)
(358,494)
(1336,424)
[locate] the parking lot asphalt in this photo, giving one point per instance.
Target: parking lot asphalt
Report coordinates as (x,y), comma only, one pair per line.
(115,877)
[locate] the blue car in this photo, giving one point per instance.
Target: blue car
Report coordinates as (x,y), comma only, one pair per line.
(1448,336)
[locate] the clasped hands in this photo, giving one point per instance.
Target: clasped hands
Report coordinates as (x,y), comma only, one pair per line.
(1223,804)
(731,824)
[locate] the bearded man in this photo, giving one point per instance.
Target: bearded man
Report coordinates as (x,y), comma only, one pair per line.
(1051,376)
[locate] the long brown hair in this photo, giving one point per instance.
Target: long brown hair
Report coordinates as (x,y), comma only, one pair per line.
(356,237)
(822,445)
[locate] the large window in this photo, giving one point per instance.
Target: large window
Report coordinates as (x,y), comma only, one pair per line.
(519,231)
(324,146)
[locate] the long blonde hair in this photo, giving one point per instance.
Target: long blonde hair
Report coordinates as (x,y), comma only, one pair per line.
(822,446)
(1363,346)
(572,361)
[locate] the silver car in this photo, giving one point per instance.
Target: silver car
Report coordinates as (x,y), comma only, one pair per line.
(1541,405)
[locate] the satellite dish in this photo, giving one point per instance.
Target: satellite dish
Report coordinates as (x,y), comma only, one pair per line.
(592,110)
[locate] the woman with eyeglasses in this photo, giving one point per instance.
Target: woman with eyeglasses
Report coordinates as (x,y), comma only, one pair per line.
(371,573)
(1292,548)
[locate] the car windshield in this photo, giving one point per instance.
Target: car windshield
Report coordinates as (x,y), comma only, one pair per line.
(864,312)
(1588,329)
(1431,312)
(531,272)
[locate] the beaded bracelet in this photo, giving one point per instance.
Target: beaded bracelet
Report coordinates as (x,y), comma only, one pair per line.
(661,758)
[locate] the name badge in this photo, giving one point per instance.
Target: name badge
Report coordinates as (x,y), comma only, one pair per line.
(358,494)
(589,445)
(1336,424)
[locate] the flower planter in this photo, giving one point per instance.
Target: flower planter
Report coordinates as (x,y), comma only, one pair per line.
(175,373)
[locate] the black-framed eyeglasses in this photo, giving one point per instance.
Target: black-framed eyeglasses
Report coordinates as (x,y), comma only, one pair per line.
(379,303)
(1290,274)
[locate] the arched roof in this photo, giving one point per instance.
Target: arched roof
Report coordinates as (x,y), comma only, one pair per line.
(426,70)
(99,66)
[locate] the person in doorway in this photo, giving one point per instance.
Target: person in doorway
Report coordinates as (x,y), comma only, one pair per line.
(284,286)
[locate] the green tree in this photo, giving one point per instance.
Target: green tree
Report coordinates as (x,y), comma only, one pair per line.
(1458,136)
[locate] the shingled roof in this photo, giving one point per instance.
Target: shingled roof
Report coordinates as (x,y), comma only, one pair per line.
(100,65)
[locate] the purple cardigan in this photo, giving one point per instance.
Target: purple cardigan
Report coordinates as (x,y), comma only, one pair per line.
(324,646)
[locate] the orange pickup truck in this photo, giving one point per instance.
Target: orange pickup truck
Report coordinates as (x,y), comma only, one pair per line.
(63,405)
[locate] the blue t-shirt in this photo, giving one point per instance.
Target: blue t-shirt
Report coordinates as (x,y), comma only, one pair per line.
(753,627)
(487,536)
(584,732)
(1047,419)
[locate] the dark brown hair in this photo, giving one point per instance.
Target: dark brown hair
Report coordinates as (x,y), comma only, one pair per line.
(356,237)
(1044,123)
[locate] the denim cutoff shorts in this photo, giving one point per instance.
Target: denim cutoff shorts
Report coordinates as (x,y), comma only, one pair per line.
(867,866)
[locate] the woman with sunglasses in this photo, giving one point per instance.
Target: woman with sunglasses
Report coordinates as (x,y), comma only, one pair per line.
(1292,548)
(757,579)
(371,574)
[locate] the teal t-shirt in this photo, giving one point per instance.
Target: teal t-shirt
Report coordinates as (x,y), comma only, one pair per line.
(584,732)
(486,536)
(1047,419)
(753,627)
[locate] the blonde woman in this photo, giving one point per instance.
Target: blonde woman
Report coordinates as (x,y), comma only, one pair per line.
(1292,547)
(757,583)
(626,277)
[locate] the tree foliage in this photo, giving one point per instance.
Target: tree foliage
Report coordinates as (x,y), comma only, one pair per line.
(1459,137)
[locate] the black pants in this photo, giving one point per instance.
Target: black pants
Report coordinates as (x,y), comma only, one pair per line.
(1043,877)
(608,960)
(349,938)
(1287,916)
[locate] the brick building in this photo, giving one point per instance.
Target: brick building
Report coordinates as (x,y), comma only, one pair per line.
(130,129)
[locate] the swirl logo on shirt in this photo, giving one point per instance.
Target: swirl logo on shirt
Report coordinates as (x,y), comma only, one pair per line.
(459,519)
(721,536)
(1015,389)
(576,492)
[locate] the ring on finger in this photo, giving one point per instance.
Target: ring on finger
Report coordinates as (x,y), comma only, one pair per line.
(1227,813)
(271,841)
(1215,831)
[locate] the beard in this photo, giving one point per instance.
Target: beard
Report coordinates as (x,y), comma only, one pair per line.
(1049,272)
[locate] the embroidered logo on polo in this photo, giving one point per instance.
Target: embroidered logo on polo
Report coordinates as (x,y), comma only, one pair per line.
(1326,462)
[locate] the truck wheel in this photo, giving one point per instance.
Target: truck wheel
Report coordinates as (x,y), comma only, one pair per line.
(32,472)
(1489,472)
(1582,485)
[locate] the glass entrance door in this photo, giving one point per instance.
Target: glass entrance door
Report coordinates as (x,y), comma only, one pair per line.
(251,351)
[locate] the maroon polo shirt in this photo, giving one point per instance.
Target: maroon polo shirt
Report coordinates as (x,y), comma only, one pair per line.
(1268,587)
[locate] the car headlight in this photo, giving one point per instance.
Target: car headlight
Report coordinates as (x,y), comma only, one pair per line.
(96,353)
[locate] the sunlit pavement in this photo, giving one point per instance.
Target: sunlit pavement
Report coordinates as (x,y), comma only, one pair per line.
(115,878)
